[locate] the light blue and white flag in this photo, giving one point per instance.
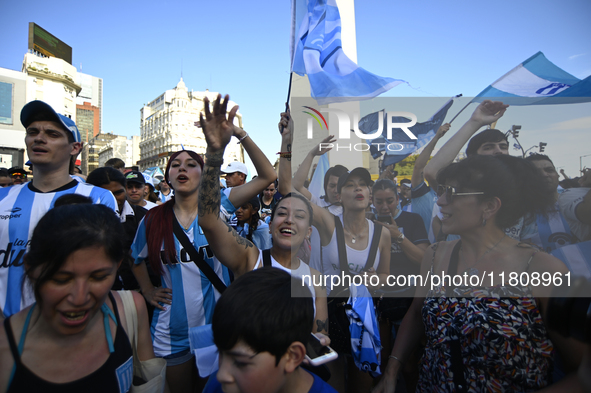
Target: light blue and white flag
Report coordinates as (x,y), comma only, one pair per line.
(538,81)
(205,351)
(316,186)
(366,345)
(316,50)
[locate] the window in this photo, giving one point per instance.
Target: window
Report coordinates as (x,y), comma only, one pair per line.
(6,103)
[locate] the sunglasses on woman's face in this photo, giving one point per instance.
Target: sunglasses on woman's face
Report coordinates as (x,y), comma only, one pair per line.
(450,192)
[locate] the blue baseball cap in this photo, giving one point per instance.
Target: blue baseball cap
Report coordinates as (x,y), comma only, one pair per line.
(33,108)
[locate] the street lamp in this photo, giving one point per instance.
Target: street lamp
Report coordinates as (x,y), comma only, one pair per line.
(581,161)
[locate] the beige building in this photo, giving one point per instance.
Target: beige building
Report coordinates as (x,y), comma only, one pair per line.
(52,80)
(121,147)
(170,123)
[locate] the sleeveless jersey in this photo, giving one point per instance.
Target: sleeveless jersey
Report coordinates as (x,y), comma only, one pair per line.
(193,295)
(21,208)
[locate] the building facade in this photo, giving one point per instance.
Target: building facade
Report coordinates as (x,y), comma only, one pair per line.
(170,123)
(52,80)
(88,120)
(91,95)
(90,151)
(12,133)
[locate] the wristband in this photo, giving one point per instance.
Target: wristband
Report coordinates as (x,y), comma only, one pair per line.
(243,138)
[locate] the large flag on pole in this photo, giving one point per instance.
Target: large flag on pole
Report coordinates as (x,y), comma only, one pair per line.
(538,81)
(316,51)
(401,145)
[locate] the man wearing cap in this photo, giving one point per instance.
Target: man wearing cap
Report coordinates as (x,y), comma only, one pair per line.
(18,175)
(53,142)
(136,190)
(236,173)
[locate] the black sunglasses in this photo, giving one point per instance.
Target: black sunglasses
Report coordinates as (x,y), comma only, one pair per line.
(450,192)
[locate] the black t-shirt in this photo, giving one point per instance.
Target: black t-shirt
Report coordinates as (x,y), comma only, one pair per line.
(411,224)
(267,208)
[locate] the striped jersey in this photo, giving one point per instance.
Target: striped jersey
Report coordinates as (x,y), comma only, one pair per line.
(193,295)
(21,208)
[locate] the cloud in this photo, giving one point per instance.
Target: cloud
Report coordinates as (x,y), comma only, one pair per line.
(575,56)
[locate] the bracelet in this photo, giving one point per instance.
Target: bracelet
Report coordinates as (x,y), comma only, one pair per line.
(394,357)
(213,163)
(243,138)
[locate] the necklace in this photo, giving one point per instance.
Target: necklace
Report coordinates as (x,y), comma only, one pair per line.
(472,271)
(354,236)
(184,222)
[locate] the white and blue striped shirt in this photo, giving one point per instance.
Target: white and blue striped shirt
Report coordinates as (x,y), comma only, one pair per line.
(21,208)
(193,295)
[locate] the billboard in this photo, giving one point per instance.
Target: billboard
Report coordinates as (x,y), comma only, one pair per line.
(40,40)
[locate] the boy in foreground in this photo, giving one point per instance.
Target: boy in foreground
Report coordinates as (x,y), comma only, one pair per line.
(261,325)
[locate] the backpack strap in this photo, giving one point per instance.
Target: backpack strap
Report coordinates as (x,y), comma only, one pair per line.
(267,258)
(375,242)
(341,245)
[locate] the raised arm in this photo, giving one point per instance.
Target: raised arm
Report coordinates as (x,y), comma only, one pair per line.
(232,250)
(265,171)
(286,130)
(417,173)
(302,173)
(486,113)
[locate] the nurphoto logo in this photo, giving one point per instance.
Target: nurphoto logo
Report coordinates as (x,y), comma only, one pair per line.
(345,129)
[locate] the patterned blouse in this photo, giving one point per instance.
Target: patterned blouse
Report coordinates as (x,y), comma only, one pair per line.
(503,340)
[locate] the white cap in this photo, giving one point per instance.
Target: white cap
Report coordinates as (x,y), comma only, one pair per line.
(236,166)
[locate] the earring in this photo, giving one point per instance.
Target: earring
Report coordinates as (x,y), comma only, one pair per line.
(483,221)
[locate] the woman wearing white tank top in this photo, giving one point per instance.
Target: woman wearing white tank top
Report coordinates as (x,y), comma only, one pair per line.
(290,224)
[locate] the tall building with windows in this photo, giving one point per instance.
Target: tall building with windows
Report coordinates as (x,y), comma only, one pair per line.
(170,123)
(91,95)
(88,121)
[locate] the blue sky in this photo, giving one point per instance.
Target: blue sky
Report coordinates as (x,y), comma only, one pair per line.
(234,47)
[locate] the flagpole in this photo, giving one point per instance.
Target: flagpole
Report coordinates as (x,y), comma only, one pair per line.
(288,96)
(461,110)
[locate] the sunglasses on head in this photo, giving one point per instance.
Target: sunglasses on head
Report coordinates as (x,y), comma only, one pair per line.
(450,192)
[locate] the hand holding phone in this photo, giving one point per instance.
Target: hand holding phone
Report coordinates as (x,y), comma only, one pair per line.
(385,218)
(318,354)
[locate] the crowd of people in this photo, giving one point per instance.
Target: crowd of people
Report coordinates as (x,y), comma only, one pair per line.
(264,263)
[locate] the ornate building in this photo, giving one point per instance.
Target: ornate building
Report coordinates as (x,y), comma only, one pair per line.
(171,122)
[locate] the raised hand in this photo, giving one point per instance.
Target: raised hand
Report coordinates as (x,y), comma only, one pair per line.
(488,112)
(218,127)
(286,124)
(442,130)
(320,149)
